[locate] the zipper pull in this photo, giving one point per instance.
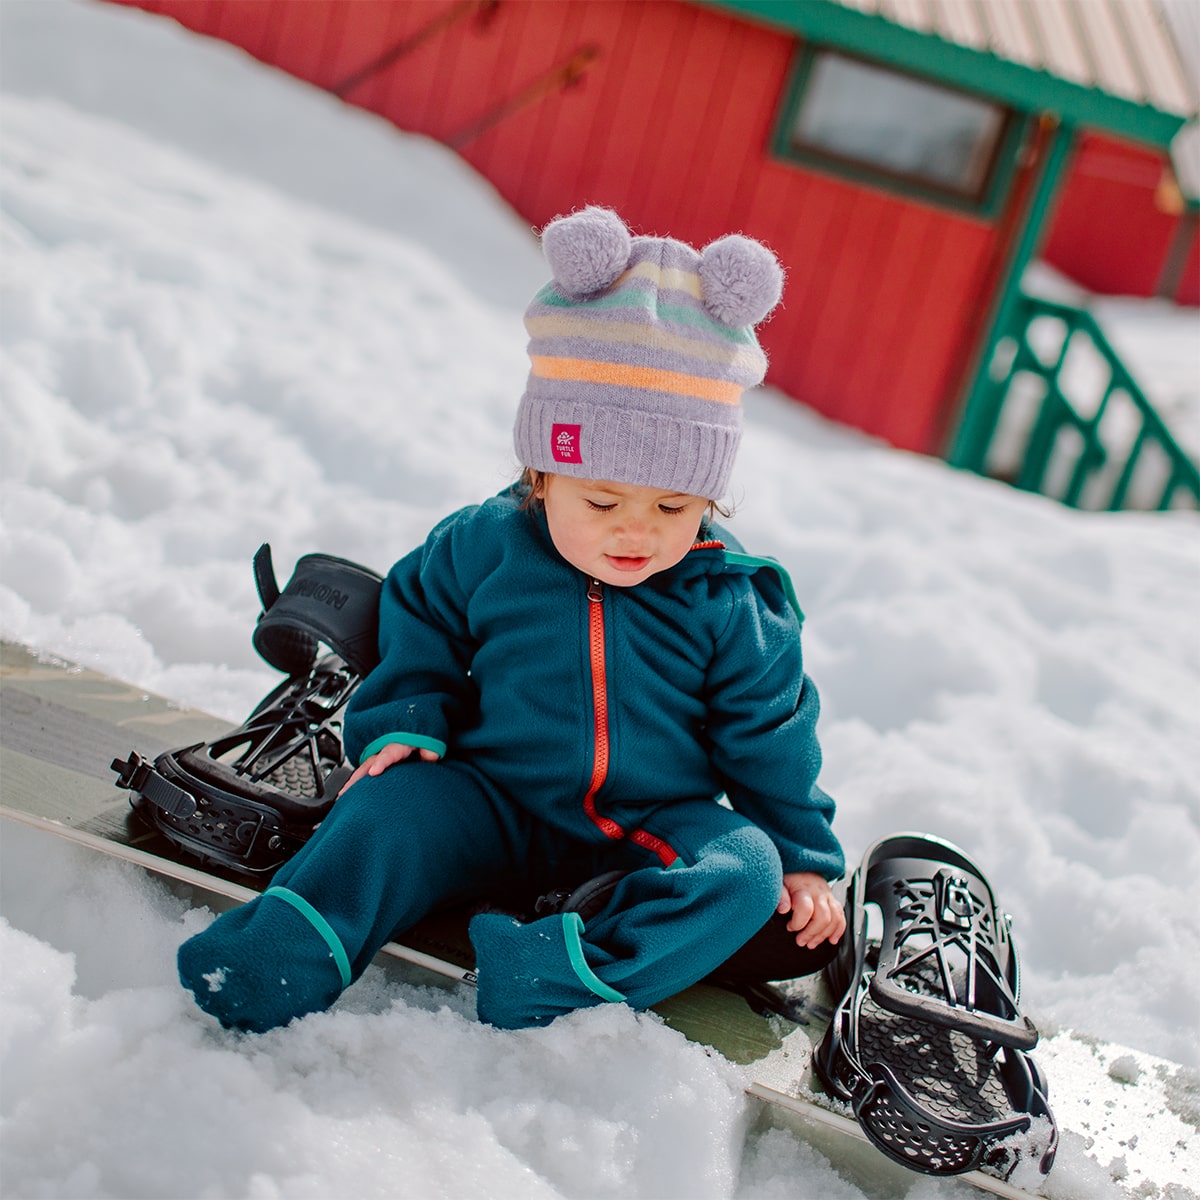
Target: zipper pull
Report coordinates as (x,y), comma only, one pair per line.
(594,594)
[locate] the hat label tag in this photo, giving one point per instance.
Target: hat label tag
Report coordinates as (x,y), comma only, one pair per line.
(564,443)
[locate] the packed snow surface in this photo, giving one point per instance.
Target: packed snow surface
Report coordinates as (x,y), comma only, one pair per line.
(236,311)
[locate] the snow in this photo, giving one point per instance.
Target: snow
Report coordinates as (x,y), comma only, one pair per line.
(236,311)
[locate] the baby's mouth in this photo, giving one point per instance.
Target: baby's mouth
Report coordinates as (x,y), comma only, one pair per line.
(625,563)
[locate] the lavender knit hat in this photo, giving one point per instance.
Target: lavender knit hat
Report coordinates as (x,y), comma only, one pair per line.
(640,349)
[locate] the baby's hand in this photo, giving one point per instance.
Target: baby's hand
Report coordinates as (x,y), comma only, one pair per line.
(391,754)
(817,915)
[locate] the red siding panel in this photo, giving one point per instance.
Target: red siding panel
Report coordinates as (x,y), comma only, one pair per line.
(911,240)
(1114,224)
(669,118)
(602,124)
(513,152)
(365,34)
(923,370)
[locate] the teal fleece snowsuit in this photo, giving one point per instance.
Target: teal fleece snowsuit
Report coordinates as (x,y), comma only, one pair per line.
(582,728)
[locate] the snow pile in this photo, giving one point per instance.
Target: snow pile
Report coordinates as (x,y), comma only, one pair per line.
(235,311)
(123,1091)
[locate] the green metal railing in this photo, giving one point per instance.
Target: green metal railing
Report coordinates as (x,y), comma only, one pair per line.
(1060,414)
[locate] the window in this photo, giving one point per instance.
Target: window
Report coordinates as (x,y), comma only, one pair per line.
(866,119)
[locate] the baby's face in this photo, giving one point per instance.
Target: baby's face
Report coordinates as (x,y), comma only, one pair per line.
(619,533)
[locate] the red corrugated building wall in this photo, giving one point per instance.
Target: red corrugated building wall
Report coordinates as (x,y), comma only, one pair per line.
(1122,226)
(664,110)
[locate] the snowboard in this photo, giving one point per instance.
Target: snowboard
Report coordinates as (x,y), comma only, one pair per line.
(1132,1115)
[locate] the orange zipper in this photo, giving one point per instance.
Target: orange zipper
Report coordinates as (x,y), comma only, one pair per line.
(610,828)
(595,595)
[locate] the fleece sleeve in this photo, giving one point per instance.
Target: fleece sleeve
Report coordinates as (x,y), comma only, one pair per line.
(421,689)
(763,726)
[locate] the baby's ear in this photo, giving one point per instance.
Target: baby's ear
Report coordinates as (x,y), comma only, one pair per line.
(587,250)
(740,280)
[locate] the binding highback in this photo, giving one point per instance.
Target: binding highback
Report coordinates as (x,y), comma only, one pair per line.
(249,799)
(927,1041)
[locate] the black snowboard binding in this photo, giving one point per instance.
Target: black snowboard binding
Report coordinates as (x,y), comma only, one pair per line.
(251,798)
(927,1042)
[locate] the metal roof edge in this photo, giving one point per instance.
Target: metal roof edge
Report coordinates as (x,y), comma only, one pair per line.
(976,71)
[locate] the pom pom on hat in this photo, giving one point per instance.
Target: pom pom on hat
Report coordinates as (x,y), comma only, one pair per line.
(587,250)
(740,279)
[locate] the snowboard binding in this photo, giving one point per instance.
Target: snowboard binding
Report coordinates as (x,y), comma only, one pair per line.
(927,1041)
(251,798)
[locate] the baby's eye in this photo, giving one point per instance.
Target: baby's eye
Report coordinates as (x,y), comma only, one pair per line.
(672,510)
(598,507)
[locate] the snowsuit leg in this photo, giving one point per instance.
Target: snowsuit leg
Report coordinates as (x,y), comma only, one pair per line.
(390,850)
(663,929)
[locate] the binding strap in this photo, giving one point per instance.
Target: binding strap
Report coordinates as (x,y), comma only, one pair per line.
(136,774)
(330,600)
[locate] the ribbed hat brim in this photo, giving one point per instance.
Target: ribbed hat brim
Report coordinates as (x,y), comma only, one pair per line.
(667,450)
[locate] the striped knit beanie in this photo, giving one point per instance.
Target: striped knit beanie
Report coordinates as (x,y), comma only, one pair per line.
(640,349)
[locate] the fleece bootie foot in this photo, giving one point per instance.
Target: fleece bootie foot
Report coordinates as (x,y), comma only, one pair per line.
(259,966)
(530,974)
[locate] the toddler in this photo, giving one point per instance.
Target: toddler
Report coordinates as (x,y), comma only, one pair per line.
(584,674)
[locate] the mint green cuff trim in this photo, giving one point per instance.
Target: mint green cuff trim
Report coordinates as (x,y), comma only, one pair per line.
(419,740)
(319,923)
(785,580)
(572,928)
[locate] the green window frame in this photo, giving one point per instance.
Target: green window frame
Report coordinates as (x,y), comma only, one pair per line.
(968,168)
